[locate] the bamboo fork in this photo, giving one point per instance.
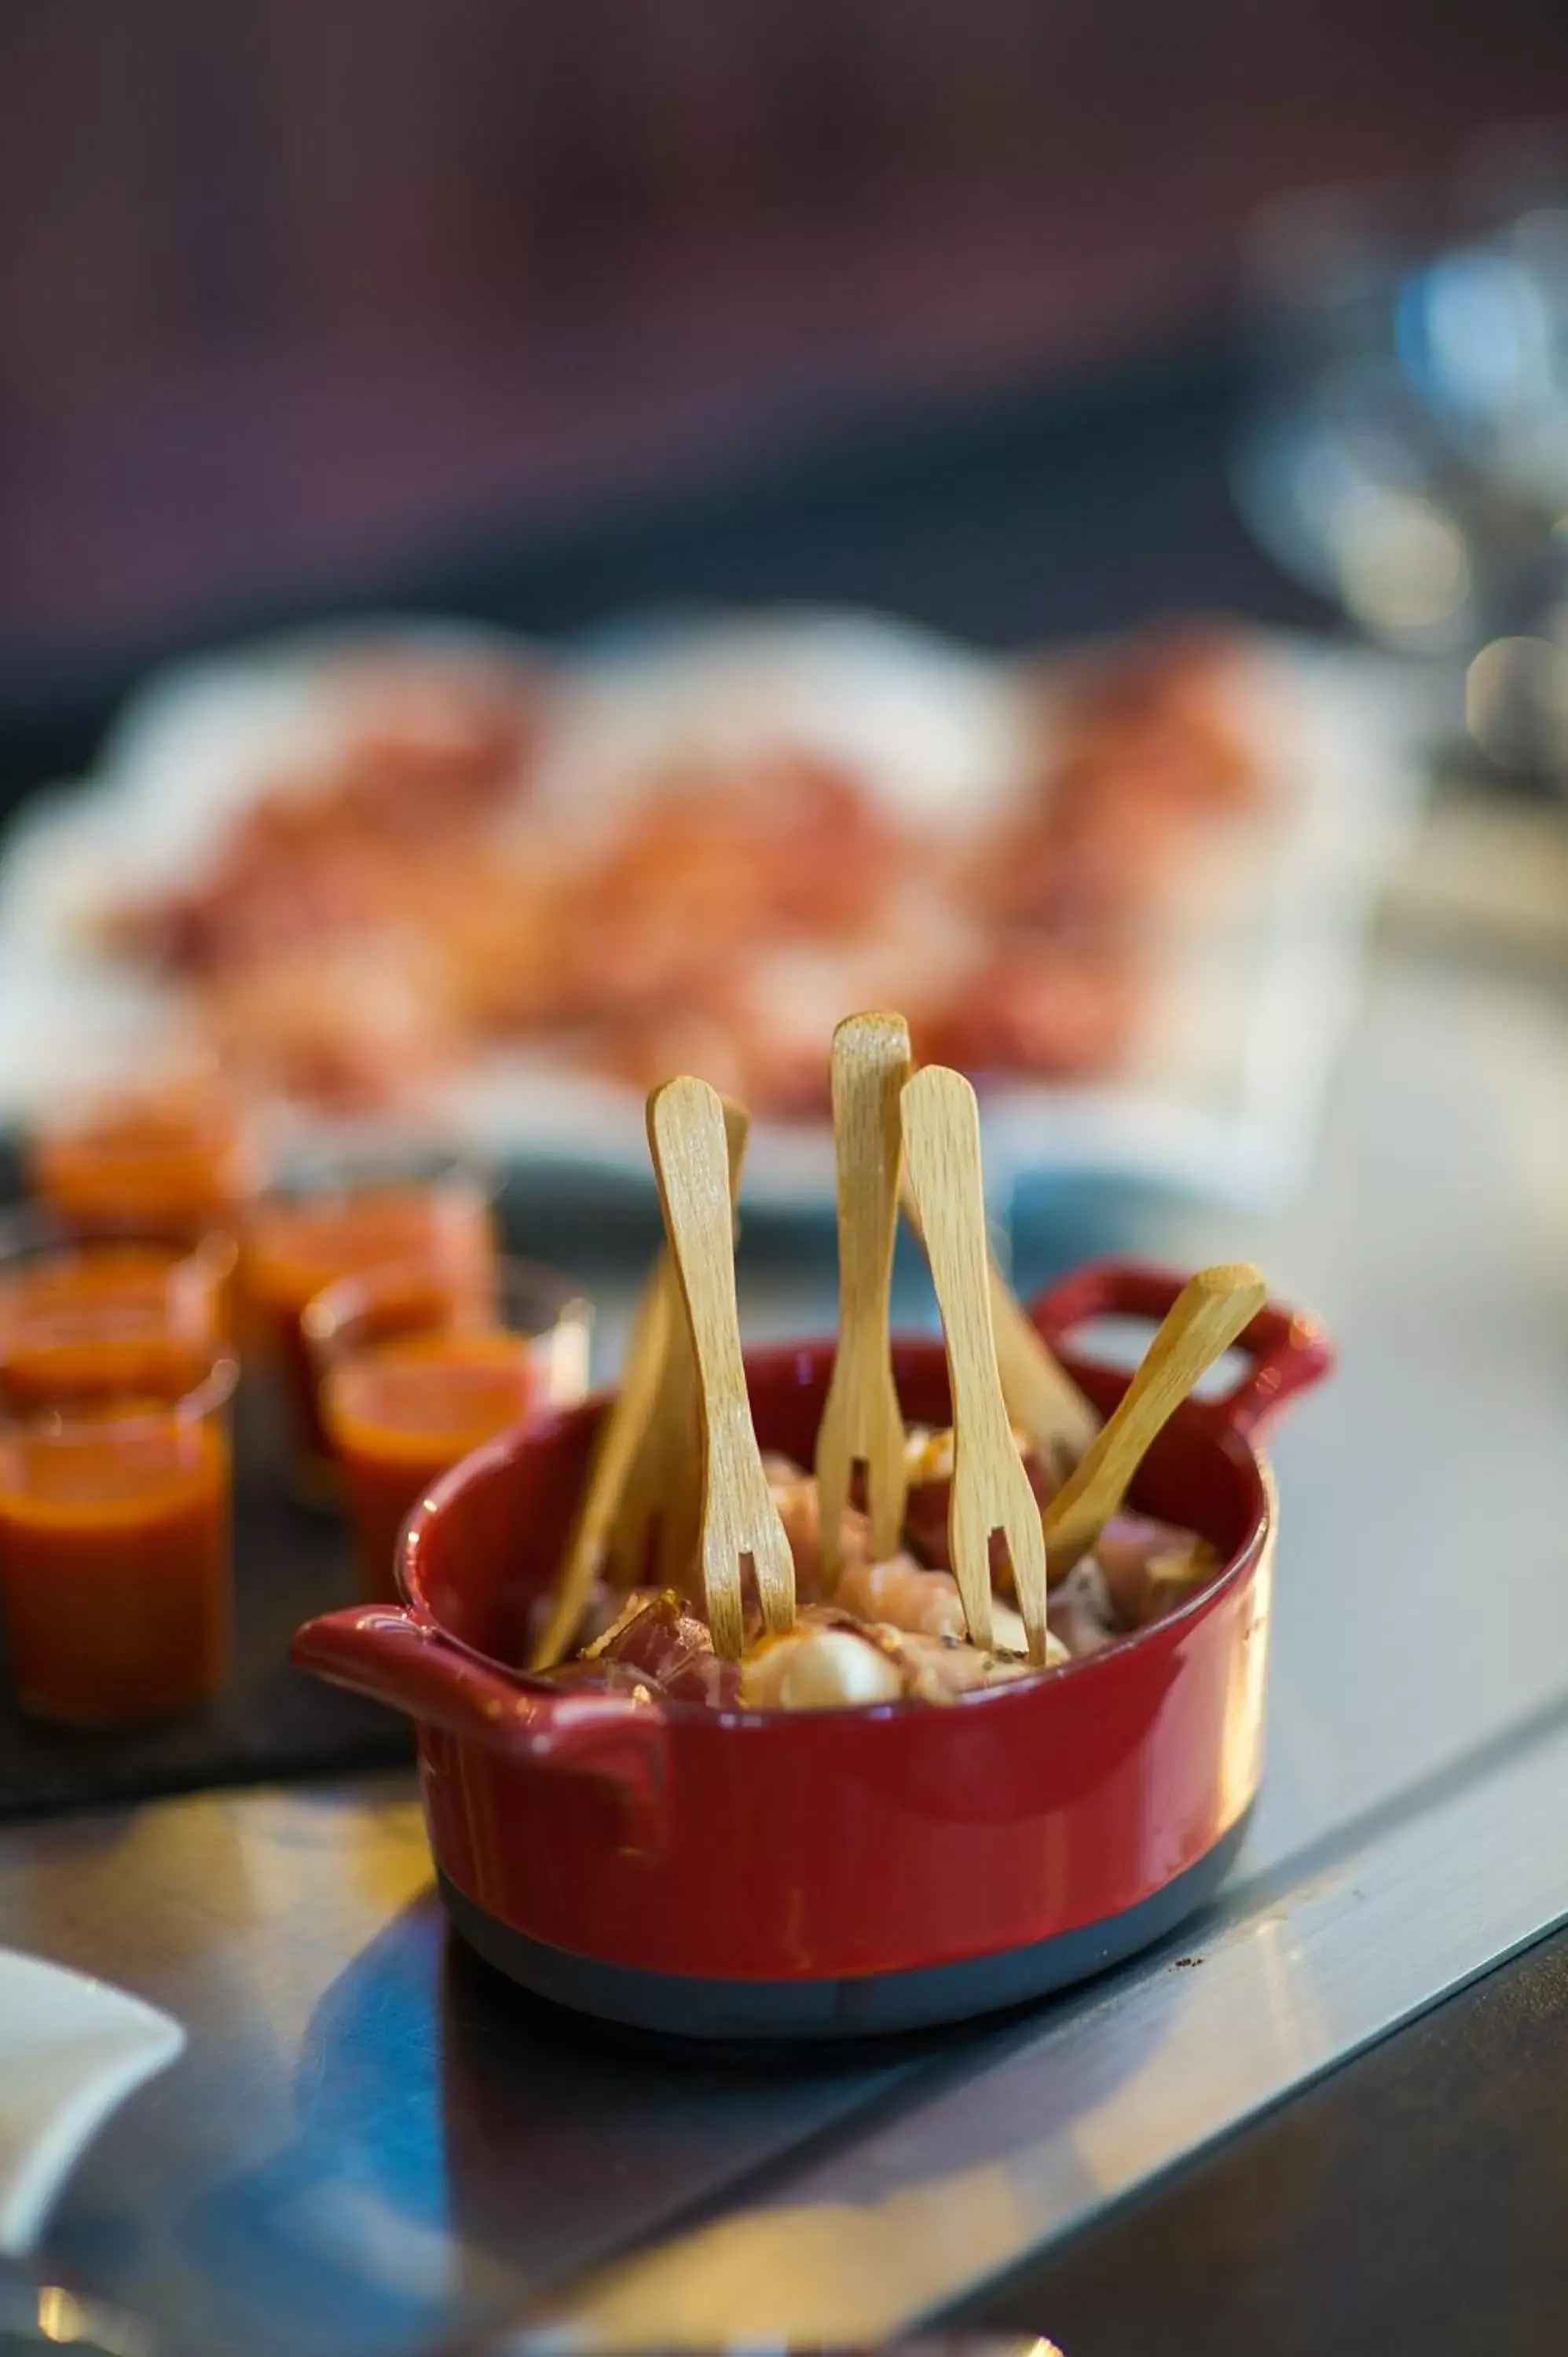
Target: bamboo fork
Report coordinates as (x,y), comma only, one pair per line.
(990,1487)
(1211,1311)
(644,1460)
(657,1516)
(739,1519)
(1056,1418)
(620,1437)
(862,1421)
(660,1498)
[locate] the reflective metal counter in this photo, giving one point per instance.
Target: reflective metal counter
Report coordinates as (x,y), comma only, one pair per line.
(372,2145)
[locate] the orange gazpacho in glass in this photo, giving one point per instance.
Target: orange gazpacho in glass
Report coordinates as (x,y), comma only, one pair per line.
(91,1319)
(175,1162)
(298,1240)
(412,1380)
(114,1561)
(407,1412)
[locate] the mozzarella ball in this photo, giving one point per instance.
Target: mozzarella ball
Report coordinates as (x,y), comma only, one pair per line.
(762,1671)
(832,1669)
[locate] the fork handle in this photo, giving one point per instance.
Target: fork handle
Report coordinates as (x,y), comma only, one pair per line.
(870,1066)
(614,1453)
(860,1415)
(662,1482)
(1208,1313)
(941,1142)
(686,1133)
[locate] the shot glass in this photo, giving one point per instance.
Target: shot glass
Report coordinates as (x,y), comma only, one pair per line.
(115,1553)
(88,1318)
(339,1218)
(412,1378)
(181,1161)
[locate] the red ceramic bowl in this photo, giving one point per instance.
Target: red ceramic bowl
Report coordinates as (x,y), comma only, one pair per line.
(747,1875)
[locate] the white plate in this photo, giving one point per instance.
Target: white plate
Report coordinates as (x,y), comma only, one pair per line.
(71,2049)
(1259,970)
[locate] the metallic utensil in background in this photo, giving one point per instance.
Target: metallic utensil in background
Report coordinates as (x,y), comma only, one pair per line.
(35,2316)
(1407,448)
(38,2313)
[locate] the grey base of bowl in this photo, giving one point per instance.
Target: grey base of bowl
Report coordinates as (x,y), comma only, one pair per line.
(873,2005)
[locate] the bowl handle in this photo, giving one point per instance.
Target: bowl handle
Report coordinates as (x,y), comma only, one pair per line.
(379,1651)
(1289,1352)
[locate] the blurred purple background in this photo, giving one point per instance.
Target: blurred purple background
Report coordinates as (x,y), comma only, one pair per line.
(290,293)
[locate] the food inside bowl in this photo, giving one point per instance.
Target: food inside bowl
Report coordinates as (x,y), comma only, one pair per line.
(907,1566)
(890,1631)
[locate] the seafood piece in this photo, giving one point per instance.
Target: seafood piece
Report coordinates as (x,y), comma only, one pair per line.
(1149,1567)
(657,1633)
(904,1595)
(1138,1571)
(930,1486)
(905,1591)
(945,1666)
(831,1662)
(794,1493)
(1081,1613)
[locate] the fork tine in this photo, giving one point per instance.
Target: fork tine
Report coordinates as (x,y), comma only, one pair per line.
(970,1525)
(835,1472)
(990,1487)
(1025,1538)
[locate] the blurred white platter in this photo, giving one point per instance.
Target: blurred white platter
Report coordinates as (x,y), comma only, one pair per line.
(71,2051)
(1258,977)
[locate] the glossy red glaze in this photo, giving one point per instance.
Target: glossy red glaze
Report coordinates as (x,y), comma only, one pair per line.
(677,1839)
